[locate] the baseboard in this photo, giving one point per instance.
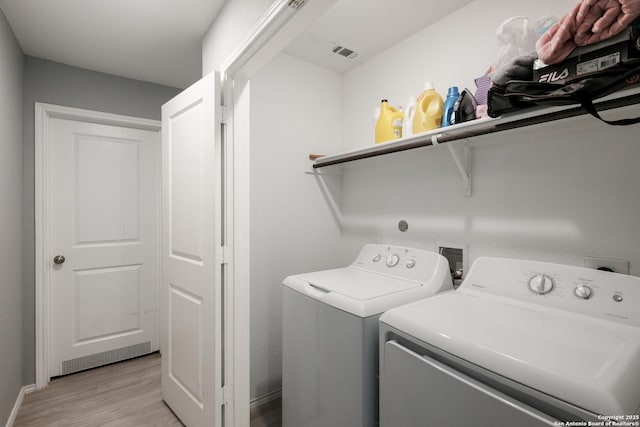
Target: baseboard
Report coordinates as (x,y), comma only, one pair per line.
(265,399)
(16,407)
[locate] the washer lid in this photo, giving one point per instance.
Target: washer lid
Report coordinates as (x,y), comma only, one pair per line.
(362,292)
(356,283)
(588,362)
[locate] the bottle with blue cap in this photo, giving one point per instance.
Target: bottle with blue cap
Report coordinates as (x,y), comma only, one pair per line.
(448,115)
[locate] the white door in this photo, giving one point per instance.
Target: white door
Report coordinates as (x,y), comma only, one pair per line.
(191,242)
(104,220)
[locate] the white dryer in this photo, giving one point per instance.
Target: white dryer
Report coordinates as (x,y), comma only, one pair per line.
(519,343)
(330,332)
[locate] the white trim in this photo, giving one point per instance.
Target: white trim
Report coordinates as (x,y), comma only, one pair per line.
(16,406)
(157,339)
(257,36)
(239,227)
(275,30)
(278,27)
(265,399)
(231,344)
(44,112)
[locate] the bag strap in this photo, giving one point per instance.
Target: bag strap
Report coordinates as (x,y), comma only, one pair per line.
(587,104)
(629,75)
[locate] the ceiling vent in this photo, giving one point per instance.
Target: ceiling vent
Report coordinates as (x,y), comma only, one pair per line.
(345,51)
(296,4)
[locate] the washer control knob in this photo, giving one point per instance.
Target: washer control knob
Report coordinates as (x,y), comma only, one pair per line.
(410,263)
(377,258)
(541,284)
(583,291)
(392,260)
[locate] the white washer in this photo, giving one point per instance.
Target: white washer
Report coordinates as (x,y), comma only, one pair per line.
(518,343)
(330,332)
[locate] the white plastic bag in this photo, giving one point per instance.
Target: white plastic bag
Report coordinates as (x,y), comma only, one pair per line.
(516,36)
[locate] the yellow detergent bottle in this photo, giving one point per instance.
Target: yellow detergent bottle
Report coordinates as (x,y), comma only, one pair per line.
(429,109)
(389,124)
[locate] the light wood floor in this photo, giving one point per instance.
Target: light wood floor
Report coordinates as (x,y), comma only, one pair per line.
(267,415)
(125,394)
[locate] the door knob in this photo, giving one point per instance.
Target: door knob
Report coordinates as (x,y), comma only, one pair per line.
(59,259)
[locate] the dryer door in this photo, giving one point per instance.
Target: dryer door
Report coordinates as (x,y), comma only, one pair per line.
(417,390)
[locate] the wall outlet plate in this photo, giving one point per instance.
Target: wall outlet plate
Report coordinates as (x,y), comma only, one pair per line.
(617,265)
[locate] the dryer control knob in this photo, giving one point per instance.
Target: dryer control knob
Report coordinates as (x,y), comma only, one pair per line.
(392,260)
(583,291)
(410,263)
(376,258)
(541,284)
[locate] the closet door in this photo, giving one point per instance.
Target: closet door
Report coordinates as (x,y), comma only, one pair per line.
(191,265)
(104,195)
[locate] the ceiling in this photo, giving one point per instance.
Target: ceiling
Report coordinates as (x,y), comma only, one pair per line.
(368,27)
(160,41)
(150,40)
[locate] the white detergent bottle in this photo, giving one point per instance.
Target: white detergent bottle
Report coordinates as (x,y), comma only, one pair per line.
(376,116)
(407,127)
(429,109)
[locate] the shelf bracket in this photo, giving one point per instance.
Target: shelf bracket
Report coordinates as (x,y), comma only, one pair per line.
(463,165)
(328,183)
(316,172)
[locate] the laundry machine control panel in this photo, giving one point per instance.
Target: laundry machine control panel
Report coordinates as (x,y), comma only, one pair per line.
(595,293)
(406,263)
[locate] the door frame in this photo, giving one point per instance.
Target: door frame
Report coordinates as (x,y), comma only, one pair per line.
(281,24)
(43,113)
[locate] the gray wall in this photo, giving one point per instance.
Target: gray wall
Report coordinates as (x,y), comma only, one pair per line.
(11,66)
(54,83)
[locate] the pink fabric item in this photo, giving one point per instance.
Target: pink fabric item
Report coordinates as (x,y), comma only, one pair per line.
(557,43)
(588,22)
(601,19)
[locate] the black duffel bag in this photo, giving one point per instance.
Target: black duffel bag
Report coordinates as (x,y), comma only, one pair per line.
(517,94)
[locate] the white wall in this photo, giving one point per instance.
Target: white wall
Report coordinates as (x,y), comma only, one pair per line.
(552,192)
(555,192)
(451,52)
(229,30)
(295,110)
(11,66)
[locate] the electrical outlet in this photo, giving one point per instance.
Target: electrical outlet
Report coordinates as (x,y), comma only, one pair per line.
(617,265)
